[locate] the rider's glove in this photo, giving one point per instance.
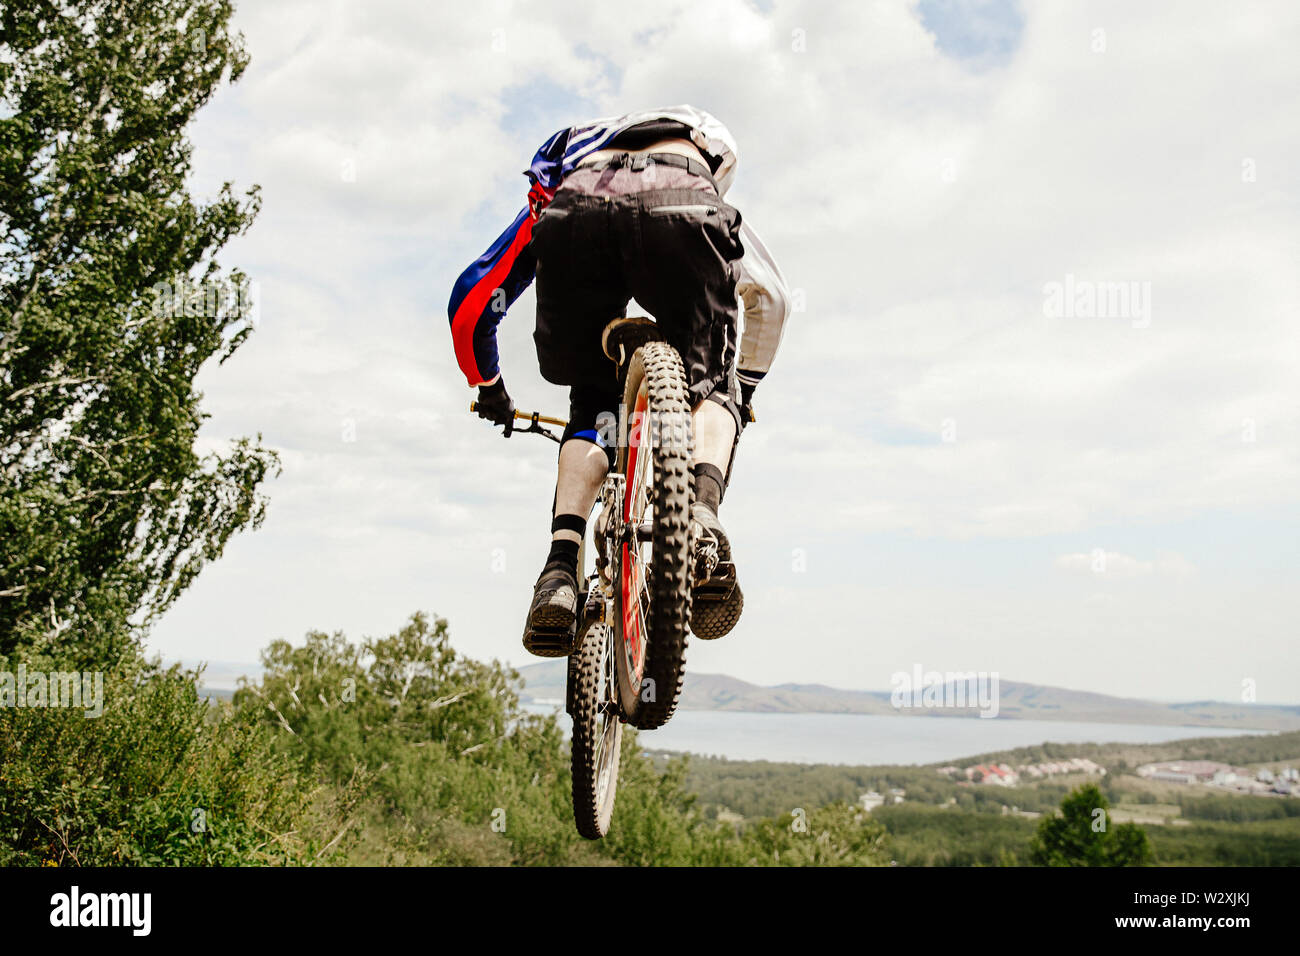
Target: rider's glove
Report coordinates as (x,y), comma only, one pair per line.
(495,405)
(746,404)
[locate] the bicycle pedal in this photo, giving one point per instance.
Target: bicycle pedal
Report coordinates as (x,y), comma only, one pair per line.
(706,562)
(550,642)
(718,585)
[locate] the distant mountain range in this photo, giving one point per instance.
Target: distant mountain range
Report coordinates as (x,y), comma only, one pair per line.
(1016,701)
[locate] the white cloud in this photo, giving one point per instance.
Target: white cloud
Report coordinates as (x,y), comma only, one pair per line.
(919,205)
(1113,564)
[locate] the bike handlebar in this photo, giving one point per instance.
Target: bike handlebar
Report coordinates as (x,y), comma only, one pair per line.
(535,421)
(529,416)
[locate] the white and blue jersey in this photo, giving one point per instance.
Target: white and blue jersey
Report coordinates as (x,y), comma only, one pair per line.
(487,288)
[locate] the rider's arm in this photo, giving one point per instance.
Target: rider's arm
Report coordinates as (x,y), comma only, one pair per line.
(494,280)
(482,294)
(766,300)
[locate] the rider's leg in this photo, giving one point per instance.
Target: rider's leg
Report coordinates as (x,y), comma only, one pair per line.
(715,436)
(583,466)
(583,462)
(585,459)
(585,455)
(718,598)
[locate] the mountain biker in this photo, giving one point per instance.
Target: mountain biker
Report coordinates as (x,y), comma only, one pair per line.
(621,208)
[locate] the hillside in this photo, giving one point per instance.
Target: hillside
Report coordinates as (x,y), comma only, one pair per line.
(757,788)
(1018,701)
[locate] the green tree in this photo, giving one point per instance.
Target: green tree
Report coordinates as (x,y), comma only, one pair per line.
(111,299)
(453,771)
(1083,835)
(159,778)
(834,835)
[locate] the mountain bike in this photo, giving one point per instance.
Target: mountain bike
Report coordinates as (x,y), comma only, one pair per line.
(634,605)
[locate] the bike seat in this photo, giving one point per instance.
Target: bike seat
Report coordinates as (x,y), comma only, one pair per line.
(626,334)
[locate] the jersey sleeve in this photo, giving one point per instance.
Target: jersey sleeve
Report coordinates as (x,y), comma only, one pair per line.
(493,281)
(766,300)
(484,292)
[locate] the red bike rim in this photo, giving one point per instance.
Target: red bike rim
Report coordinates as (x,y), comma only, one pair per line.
(632,576)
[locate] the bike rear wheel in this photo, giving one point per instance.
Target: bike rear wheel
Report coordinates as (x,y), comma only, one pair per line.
(597,730)
(652,589)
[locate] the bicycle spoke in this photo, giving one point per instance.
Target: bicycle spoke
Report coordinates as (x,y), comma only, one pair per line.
(600,749)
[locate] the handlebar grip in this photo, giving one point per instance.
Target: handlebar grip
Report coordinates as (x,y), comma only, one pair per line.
(530,417)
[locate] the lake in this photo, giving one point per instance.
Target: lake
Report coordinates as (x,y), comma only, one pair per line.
(870,739)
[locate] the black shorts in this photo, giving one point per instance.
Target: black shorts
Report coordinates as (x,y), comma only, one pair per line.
(663,237)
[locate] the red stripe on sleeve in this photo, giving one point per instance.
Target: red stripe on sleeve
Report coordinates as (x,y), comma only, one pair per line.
(475,302)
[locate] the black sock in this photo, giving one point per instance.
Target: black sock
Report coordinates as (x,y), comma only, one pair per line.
(564,553)
(710,484)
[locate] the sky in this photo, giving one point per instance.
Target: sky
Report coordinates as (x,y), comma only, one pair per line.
(1036,410)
